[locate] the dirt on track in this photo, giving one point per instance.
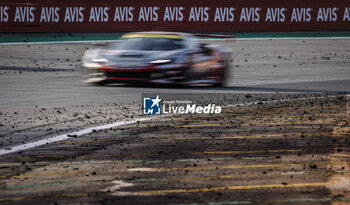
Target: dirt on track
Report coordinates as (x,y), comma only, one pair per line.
(294,151)
(42,94)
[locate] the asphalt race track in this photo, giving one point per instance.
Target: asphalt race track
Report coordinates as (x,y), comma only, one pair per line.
(282,136)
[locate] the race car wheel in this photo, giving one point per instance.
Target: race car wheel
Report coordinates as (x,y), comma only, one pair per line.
(223,77)
(188,76)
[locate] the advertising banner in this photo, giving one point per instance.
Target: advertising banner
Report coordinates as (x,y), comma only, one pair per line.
(179,15)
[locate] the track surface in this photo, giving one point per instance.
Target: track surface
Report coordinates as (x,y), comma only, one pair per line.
(273,153)
(41,88)
(265,153)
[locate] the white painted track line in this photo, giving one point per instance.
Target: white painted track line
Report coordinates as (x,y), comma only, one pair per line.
(68,135)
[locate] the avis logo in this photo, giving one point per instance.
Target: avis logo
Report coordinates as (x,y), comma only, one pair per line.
(151,106)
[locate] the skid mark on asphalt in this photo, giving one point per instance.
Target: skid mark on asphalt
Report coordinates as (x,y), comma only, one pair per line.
(147,169)
(262,186)
(37,164)
(165,137)
(46,174)
(196,153)
(46,196)
(173,154)
(232,176)
(290,200)
(247,152)
(41,185)
(254,124)
(246,136)
(249,129)
(241,176)
(323,122)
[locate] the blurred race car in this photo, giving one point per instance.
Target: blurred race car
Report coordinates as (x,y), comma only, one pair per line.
(157,57)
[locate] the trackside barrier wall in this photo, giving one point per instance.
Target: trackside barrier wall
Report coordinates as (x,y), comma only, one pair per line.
(173,15)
